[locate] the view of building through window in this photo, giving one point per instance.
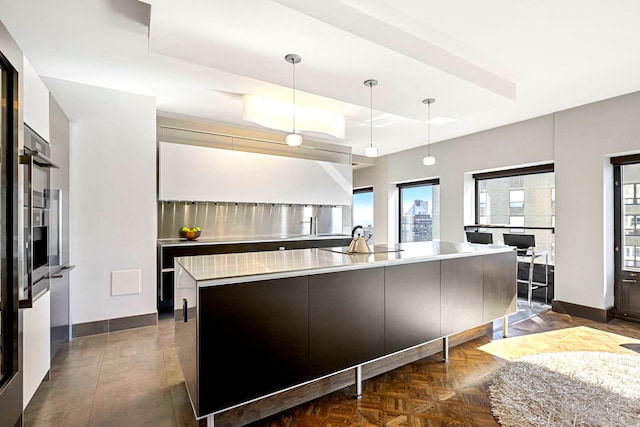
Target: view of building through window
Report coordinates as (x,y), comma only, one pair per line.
(516,201)
(526,201)
(420,212)
(363,211)
(631,214)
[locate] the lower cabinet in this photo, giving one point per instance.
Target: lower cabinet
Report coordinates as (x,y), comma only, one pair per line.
(255,340)
(499,294)
(627,293)
(346,319)
(412,305)
(36,354)
(461,293)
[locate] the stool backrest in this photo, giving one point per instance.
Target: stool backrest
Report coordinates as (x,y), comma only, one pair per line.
(520,241)
(479,237)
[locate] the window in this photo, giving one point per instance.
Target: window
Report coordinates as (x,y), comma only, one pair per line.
(419,211)
(516,199)
(631,193)
(363,210)
(482,201)
(501,197)
(516,221)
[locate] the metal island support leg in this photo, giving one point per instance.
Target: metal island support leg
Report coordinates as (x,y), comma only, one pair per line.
(210,420)
(445,349)
(358,381)
(505,326)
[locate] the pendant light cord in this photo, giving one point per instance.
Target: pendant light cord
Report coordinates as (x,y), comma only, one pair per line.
(429,129)
(294,97)
(370,115)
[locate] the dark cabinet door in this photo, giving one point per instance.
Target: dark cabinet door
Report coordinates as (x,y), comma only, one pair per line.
(500,289)
(346,319)
(627,293)
(461,294)
(412,305)
(255,341)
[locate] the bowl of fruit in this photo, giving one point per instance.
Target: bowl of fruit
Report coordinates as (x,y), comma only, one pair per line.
(190,233)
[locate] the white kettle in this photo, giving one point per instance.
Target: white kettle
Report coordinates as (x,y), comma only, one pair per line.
(358,245)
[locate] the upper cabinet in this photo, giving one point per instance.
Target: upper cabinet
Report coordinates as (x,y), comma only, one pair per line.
(195,173)
(36,101)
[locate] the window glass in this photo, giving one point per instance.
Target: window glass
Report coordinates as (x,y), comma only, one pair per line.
(363,211)
(631,214)
(516,221)
(516,198)
(420,212)
(533,199)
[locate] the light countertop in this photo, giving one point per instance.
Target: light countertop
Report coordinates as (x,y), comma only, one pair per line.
(253,239)
(242,267)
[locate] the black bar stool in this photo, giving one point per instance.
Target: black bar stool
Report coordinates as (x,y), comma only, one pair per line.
(526,249)
(479,237)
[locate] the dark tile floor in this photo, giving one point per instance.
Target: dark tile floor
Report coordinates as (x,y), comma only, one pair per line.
(125,378)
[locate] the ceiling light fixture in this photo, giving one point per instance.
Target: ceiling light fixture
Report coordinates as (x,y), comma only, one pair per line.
(429,160)
(294,139)
(371,151)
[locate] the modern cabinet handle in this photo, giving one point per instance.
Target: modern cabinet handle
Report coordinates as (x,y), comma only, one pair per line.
(185,317)
(56,276)
(629,280)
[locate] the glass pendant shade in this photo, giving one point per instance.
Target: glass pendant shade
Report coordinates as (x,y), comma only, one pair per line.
(371,152)
(429,161)
(294,139)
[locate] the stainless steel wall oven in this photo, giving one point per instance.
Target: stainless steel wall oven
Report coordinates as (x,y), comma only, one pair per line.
(36,214)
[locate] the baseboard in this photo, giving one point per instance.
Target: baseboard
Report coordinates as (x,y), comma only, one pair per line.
(591,313)
(112,325)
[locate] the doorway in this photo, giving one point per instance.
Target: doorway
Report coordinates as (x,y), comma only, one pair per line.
(626,175)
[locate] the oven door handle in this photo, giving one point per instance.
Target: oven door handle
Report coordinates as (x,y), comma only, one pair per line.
(27,160)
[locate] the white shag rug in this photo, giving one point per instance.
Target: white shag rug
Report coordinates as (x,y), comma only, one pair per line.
(568,389)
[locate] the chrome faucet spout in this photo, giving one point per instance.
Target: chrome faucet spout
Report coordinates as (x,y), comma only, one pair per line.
(313,225)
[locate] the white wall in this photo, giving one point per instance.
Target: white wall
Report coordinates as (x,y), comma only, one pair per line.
(579,141)
(586,138)
(112,197)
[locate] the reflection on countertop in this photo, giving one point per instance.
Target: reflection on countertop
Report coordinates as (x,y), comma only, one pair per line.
(237,267)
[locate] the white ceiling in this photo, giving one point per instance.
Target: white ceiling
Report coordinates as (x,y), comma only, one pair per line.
(487,62)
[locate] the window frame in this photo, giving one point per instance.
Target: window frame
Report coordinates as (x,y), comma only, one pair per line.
(505,173)
(403,185)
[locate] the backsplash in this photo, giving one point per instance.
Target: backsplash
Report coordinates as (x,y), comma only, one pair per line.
(221,219)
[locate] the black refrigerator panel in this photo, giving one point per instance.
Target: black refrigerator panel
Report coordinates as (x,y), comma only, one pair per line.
(10,340)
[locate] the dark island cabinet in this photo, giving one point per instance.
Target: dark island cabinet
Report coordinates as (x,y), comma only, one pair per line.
(461,294)
(499,296)
(256,340)
(412,305)
(346,319)
(167,253)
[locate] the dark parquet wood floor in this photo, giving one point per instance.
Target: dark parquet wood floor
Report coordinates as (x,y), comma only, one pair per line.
(133,378)
(430,393)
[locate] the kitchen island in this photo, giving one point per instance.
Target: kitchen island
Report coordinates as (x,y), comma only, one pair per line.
(260,332)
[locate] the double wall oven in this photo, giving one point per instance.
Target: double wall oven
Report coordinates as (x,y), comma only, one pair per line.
(39,233)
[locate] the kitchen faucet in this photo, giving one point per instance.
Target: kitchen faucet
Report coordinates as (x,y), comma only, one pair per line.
(313,225)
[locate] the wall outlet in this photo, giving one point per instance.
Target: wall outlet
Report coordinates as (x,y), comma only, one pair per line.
(125,282)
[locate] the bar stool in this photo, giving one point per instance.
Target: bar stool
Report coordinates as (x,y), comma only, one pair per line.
(525,248)
(479,237)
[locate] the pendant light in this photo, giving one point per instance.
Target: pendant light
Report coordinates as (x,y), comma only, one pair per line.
(429,160)
(371,151)
(294,139)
